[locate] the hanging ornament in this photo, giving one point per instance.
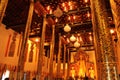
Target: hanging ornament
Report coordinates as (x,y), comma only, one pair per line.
(72,38)
(76,44)
(58,12)
(56,20)
(85,1)
(67,28)
(63,4)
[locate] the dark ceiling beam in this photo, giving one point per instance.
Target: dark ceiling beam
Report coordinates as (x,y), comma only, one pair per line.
(74,24)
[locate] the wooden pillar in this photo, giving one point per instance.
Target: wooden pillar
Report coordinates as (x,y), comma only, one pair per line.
(64,61)
(52,52)
(41,51)
(22,56)
(105,56)
(3,5)
(115,7)
(68,64)
(58,57)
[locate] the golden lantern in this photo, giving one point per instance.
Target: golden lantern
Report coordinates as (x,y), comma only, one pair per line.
(67,28)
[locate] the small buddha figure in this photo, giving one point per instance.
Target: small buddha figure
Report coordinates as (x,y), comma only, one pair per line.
(91,73)
(73,72)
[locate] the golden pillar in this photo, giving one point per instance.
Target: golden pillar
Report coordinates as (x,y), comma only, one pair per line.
(3,5)
(115,7)
(64,61)
(52,52)
(41,51)
(22,56)
(58,58)
(105,56)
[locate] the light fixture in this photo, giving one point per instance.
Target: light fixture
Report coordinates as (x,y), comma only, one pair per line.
(65,9)
(85,1)
(76,44)
(71,7)
(50,11)
(58,12)
(37,39)
(56,20)
(69,3)
(67,28)
(63,4)
(112,31)
(72,38)
(69,18)
(88,14)
(48,8)
(74,17)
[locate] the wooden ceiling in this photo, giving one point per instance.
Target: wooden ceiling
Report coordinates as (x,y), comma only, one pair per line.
(16,14)
(17,11)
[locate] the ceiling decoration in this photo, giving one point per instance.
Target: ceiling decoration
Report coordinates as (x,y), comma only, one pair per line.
(75,13)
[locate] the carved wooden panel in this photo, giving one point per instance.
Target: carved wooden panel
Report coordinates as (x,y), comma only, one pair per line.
(12,45)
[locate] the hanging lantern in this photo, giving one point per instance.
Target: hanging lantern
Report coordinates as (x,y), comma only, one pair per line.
(112,31)
(58,12)
(85,1)
(50,12)
(69,3)
(76,44)
(72,38)
(67,28)
(37,40)
(88,14)
(63,4)
(56,20)
(74,17)
(48,8)
(65,9)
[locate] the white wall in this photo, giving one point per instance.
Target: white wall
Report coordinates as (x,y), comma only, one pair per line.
(31,66)
(5,41)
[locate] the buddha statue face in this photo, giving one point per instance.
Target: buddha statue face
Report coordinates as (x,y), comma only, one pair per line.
(91,68)
(81,57)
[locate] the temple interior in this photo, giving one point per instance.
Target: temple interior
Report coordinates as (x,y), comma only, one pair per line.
(59,39)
